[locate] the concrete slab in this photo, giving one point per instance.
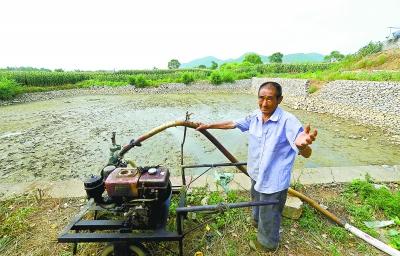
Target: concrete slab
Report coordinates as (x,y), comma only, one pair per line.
(376,172)
(319,175)
(347,174)
(74,187)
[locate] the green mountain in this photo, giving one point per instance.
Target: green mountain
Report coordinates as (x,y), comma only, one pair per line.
(289,58)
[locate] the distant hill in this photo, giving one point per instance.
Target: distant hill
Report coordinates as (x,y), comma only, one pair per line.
(290,58)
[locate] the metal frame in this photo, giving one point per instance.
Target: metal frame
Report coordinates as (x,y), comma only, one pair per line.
(86,231)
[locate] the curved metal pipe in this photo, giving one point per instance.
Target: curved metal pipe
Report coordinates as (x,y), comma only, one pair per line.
(228,155)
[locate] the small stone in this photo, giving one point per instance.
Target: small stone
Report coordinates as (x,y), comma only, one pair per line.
(324,206)
(293,208)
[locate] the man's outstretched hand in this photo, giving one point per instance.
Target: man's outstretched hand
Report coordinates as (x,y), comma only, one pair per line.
(304,139)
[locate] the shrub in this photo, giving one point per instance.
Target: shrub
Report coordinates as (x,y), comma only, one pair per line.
(228,76)
(139,81)
(131,80)
(216,78)
(187,78)
(8,89)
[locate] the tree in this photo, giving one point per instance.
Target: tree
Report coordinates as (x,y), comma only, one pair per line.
(276,57)
(174,64)
(202,66)
(214,65)
(252,58)
(334,56)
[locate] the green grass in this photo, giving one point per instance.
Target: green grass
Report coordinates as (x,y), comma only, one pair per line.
(331,75)
(95,82)
(14,219)
(364,202)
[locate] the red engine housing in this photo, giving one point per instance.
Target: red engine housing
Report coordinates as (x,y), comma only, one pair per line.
(137,182)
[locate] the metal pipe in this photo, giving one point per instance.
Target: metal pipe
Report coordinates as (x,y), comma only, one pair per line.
(212,165)
(222,206)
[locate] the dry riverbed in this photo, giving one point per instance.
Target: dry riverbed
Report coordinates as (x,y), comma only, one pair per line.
(69,137)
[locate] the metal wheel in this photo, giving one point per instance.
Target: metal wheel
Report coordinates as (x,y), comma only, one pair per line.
(136,249)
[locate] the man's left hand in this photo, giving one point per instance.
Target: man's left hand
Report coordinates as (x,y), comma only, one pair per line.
(306,137)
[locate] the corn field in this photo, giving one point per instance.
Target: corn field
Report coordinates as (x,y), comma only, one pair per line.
(53,78)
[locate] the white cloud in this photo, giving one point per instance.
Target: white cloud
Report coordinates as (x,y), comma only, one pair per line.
(143,34)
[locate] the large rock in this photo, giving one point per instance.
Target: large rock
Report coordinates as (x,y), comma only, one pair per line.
(293,208)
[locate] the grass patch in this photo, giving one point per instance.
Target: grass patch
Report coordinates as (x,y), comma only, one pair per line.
(95,82)
(365,202)
(223,233)
(374,199)
(30,89)
(14,219)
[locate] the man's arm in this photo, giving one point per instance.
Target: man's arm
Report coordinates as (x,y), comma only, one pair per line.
(304,139)
(218,125)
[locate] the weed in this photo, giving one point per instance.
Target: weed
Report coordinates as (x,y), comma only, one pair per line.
(395,242)
(362,247)
(309,220)
(312,89)
(334,250)
(338,234)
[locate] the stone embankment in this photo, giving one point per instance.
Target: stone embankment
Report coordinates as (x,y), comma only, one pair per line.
(370,103)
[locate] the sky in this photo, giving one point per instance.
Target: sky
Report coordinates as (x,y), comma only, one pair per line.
(114,35)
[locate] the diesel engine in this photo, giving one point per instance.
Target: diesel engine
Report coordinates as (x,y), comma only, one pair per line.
(141,194)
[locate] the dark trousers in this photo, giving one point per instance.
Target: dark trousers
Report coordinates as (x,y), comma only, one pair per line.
(268,217)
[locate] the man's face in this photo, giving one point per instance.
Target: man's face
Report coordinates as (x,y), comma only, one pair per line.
(267,100)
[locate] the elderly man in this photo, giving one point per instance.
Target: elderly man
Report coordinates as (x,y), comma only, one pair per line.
(275,138)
